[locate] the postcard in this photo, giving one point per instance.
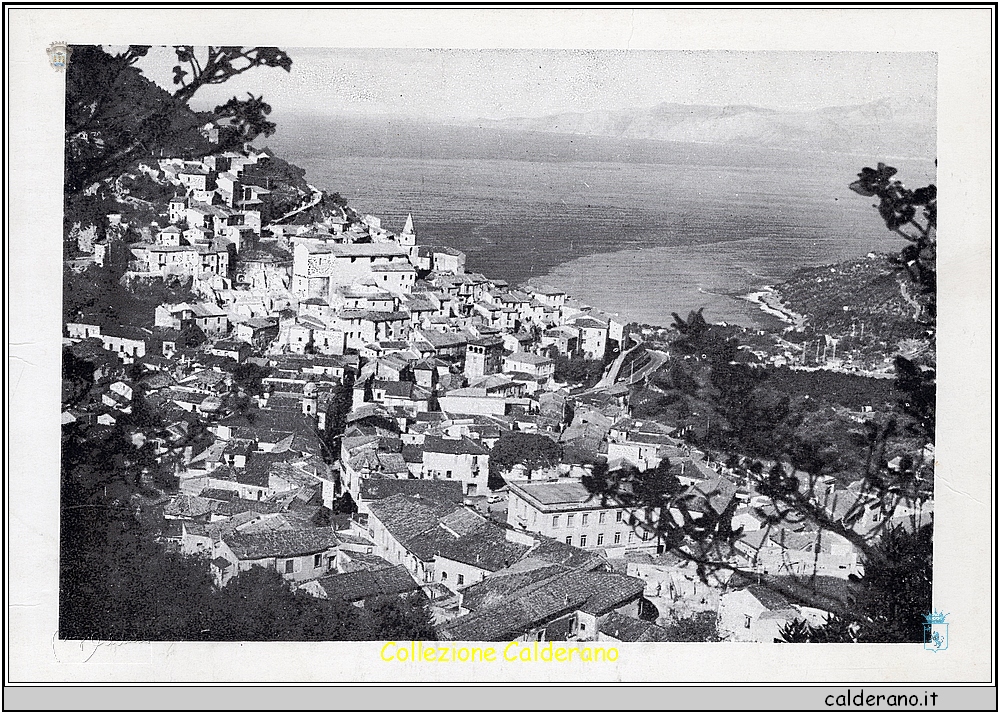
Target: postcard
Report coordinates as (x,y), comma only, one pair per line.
(501,346)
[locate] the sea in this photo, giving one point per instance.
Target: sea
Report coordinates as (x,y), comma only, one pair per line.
(639,228)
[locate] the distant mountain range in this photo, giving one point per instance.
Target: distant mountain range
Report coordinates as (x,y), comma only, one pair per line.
(881,128)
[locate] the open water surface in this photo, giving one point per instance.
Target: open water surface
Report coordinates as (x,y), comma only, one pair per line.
(637,227)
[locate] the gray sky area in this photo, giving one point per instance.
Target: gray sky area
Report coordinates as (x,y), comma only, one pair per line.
(495,84)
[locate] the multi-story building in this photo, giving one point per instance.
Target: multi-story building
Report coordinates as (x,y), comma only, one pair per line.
(463,460)
(483,356)
(209,318)
(538,366)
(568,512)
(319,267)
(593,337)
(185,260)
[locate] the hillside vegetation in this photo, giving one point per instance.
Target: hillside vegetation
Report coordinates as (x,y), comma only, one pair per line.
(838,299)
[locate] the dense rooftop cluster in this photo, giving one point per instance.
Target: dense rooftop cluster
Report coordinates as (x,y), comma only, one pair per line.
(336,357)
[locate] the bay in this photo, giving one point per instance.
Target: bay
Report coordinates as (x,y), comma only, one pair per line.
(642,228)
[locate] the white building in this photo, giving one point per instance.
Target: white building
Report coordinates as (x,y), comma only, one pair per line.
(537,366)
(319,267)
(568,512)
(460,459)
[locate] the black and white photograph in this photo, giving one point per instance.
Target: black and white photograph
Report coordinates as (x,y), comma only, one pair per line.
(517,355)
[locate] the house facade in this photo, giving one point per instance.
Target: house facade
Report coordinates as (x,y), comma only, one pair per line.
(462,460)
(319,267)
(569,513)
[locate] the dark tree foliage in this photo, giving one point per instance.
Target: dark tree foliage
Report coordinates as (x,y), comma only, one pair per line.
(725,403)
(661,505)
(96,294)
(77,378)
(249,377)
(889,601)
(400,618)
(699,627)
(336,418)
(258,604)
(569,411)
(117,583)
(701,340)
(695,326)
(678,377)
(578,370)
(116,116)
(918,395)
(144,416)
(899,207)
(345,504)
(217,65)
(533,451)
(749,415)
(193,336)
(648,611)
(796,630)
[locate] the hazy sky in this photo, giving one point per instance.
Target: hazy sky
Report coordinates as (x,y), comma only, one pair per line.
(492,84)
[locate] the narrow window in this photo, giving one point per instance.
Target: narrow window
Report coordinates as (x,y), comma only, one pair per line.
(600,539)
(461,580)
(583,541)
(583,519)
(318,560)
(600,517)
(289,566)
(618,538)
(569,540)
(555,521)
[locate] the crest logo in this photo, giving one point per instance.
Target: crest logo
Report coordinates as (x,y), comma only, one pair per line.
(936,631)
(58,53)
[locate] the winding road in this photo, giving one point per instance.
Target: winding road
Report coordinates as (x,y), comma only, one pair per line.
(611,376)
(316,197)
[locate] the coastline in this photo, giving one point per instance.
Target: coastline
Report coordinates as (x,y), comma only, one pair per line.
(733,281)
(768,300)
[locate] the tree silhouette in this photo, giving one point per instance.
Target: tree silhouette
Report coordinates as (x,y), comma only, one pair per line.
(898,206)
(116,116)
(220,64)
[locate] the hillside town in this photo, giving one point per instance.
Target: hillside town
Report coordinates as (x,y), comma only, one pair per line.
(343,402)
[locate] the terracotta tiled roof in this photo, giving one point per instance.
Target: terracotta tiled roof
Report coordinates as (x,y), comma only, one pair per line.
(533,598)
(280,544)
(185,506)
(767,597)
(631,629)
(427,528)
(362,584)
(377,489)
(464,445)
